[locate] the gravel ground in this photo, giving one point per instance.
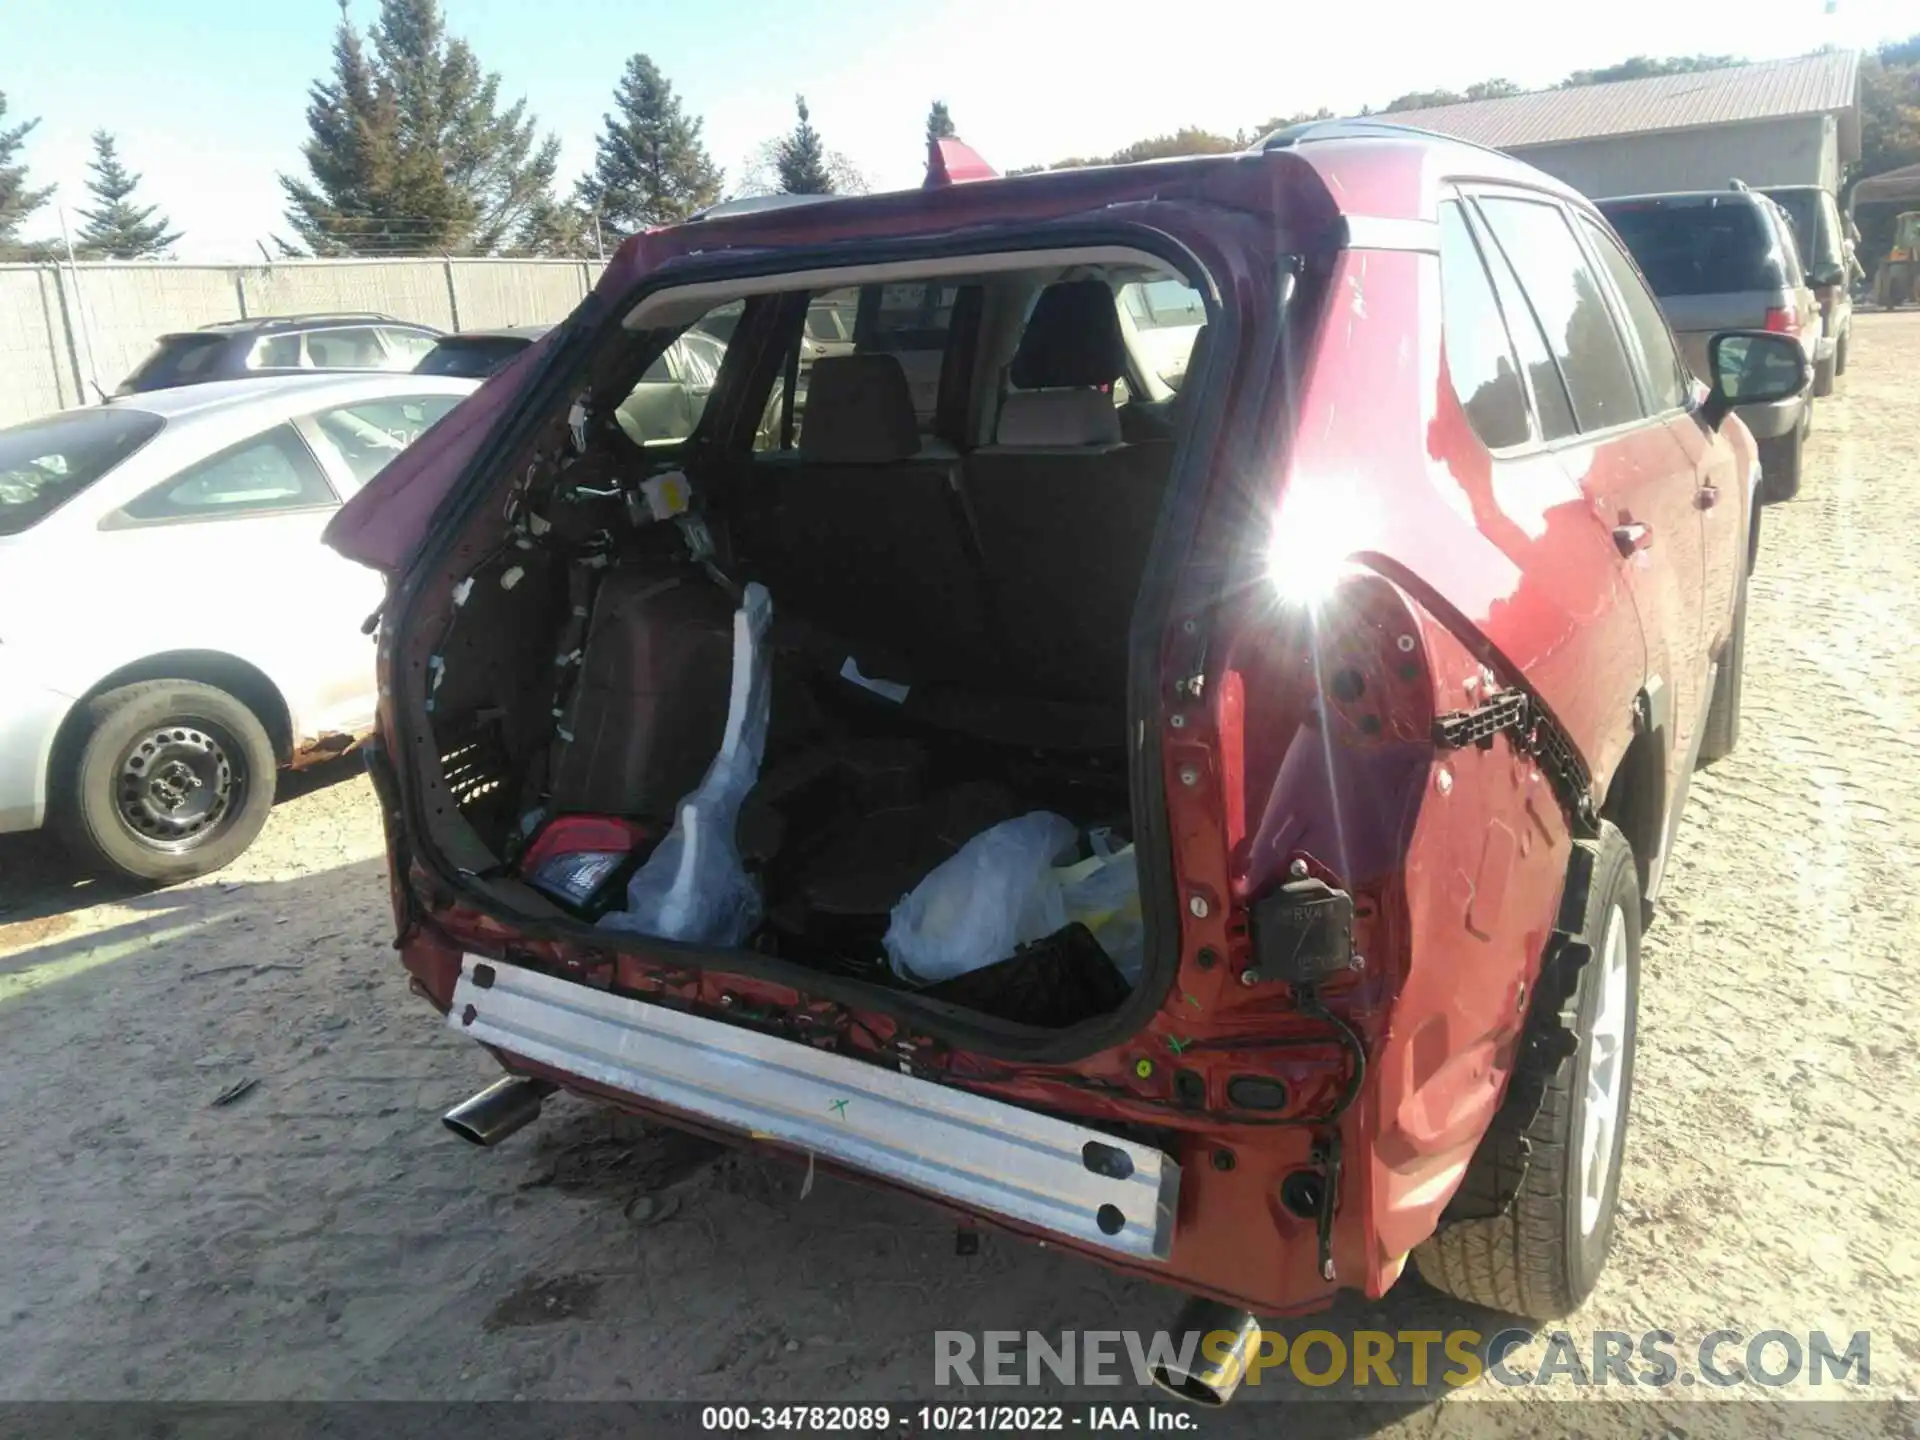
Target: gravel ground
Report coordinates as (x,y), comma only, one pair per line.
(319,1236)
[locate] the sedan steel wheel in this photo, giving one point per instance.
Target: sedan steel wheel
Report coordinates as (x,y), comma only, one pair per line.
(179,785)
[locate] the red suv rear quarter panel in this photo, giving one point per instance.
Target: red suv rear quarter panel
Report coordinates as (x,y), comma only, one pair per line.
(1513,566)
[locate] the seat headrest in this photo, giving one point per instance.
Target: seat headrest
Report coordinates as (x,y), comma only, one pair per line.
(1058,418)
(859,411)
(1072,338)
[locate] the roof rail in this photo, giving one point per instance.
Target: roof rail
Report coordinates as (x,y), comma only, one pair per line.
(1361,127)
(306,316)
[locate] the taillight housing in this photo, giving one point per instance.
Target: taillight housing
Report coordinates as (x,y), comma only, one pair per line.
(1325,718)
(1783,321)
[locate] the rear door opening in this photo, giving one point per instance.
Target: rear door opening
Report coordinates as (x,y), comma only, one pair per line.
(890,581)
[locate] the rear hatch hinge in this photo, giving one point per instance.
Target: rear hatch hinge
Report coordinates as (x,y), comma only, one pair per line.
(1534,732)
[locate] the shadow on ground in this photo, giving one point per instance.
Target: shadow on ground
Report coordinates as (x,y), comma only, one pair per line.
(233,1184)
(40,880)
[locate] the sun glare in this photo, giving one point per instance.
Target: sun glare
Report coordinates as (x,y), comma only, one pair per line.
(1314,533)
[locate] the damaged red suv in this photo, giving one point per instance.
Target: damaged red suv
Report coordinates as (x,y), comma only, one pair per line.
(1162,737)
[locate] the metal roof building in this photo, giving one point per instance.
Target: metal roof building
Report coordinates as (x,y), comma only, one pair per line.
(1782,122)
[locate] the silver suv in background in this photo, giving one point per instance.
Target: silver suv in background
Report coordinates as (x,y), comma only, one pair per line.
(279,345)
(1827,253)
(1727,260)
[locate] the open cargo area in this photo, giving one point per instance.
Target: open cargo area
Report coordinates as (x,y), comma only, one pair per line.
(855,695)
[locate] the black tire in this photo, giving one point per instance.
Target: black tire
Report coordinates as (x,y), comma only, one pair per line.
(1840,352)
(1541,1258)
(1722,729)
(139,748)
(1780,466)
(1823,375)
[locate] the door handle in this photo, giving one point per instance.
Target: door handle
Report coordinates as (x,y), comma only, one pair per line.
(1706,497)
(1631,537)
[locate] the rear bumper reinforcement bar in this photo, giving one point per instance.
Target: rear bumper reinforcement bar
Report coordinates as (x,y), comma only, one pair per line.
(1100,1190)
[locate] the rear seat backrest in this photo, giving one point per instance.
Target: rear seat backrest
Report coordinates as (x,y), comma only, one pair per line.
(863,534)
(1065,512)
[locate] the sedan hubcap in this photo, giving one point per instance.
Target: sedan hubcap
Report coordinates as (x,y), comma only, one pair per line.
(1605,1089)
(176,786)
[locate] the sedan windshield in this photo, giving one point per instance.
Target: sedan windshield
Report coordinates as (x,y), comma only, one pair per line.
(45,463)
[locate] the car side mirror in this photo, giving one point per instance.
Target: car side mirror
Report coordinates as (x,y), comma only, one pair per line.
(1830,275)
(1753,367)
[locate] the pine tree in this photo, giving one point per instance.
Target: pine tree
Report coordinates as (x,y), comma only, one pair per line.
(652,167)
(939,123)
(409,149)
(555,229)
(18,199)
(117,229)
(801,160)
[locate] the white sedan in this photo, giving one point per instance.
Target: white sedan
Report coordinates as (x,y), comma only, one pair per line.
(172,631)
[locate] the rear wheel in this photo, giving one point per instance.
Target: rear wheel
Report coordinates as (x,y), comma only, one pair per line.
(1780,465)
(1840,353)
(1542,1257)
(172,779)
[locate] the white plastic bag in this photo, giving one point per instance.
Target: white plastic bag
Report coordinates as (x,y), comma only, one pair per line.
(694,887)
(1103,894)
(997,893)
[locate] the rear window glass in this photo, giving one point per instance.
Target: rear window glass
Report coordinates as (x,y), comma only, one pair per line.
(469,359)
(1712,245)
(176,360)
(45,463)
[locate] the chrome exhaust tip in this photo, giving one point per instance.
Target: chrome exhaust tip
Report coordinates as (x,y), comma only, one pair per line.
(497,1111)
(1205,1372)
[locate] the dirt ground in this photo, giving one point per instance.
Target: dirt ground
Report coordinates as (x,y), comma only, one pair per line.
(318,1235)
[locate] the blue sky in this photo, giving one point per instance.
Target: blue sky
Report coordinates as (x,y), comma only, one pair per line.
(208,96)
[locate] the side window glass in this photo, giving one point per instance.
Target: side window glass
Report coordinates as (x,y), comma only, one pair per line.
(666,405)
(1666,377)
(275,352)
(831,318)
(1165,317)
(1480,358)
(1789,249)
(1551,408)
(274,471)
(1567,297)
(369,435)
(345,349)
(909,321)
